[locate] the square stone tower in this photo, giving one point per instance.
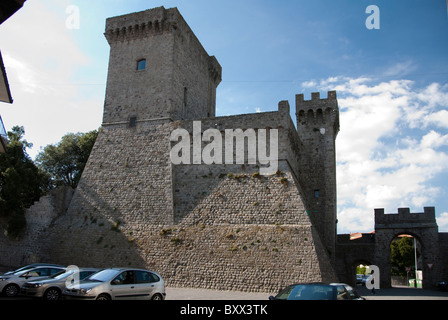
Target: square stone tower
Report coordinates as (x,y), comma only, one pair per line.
(318,126)
(157,69)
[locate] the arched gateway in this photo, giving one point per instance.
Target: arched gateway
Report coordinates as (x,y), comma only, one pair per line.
(375,247)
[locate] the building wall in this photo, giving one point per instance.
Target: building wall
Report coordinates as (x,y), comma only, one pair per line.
(212,226)
(33,246)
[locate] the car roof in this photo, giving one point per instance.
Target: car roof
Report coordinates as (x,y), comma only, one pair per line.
(126,269)
(310,283)
(120,269)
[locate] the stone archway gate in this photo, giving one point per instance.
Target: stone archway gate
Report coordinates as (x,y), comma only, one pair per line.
(423,226)
(375,248)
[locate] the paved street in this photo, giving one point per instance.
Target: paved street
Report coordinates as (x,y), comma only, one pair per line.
(381,294)
(206,294)
(403,294)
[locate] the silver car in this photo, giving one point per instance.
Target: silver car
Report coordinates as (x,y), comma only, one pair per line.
(32,266)
(119,284)
(10,284)
(51,288)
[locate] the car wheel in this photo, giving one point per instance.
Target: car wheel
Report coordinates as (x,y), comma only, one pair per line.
(52,294)
(103,297)
(157,296)
(11,290)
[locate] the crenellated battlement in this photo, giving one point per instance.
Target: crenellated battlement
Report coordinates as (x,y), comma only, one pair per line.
(315,98)
(404,217)
(318,111)
(142,24)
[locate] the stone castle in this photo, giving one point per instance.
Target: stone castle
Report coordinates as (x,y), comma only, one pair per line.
(219,226)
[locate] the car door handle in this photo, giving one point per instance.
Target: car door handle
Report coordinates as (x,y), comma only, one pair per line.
(132,287)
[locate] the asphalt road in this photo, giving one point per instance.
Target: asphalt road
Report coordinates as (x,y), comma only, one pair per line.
(402,293)
(381,294)
(206,294)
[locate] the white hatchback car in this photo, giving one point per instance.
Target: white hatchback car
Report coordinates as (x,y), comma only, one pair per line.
(119,284)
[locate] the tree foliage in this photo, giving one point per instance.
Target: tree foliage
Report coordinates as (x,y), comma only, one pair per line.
(21,182)
(64,162)
(402,255)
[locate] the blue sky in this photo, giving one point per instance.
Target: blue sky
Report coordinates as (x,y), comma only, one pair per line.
(392,150)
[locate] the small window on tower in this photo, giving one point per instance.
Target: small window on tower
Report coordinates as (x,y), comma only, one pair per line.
(316,193)
(141,64)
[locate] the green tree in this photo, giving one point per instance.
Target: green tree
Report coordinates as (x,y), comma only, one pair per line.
(64,162)
(402,255)
(21,182)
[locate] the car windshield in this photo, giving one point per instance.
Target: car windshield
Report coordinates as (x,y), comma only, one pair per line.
(103,276)
(307,292)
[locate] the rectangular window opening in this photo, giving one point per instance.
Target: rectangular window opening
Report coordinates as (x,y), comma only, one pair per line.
(141,64)
(132,122)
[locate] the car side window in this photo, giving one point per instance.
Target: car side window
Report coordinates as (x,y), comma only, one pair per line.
(30,274)
(85,274)
(126,277)
(342,293)
(53,271)
(41,272)
(145,277)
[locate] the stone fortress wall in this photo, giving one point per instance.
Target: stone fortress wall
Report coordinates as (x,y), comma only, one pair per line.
(221,226)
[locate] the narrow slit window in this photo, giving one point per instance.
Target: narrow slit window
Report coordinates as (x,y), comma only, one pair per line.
(141,64)
(132,122)
(316,193)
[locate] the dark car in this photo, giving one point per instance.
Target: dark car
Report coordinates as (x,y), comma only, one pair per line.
(317,291)
(442,285)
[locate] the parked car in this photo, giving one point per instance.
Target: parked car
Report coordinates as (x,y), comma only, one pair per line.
(317,291)
(354,295)
(31,266)
(365,278)
(442,285)
(359,278)
(119,284)
(51,288)
(10,284)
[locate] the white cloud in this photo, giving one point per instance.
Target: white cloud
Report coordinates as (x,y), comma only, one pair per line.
(439,119)
(387,155)
(309,84)
(442,220)
(42,58)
